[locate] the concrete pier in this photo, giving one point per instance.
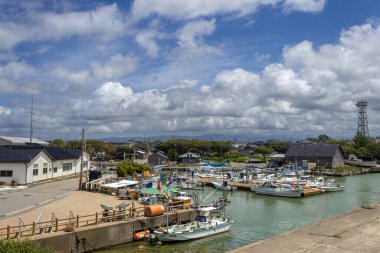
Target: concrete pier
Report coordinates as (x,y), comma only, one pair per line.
(356,231)
(94,237)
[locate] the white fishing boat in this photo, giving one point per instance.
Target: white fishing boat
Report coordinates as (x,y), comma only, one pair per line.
(224,187)
(330,186)
(205,225)
(276,190)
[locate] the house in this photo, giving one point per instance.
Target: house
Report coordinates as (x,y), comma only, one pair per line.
(189,158)
(31,163)
(7,140)
(323,155)
(157,158)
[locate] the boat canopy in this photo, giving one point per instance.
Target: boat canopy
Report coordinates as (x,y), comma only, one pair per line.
(120,184)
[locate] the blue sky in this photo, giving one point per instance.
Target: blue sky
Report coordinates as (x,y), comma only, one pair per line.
(126,68)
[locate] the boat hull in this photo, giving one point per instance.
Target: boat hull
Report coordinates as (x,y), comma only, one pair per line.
(332,189)
(192,235)
(274,192)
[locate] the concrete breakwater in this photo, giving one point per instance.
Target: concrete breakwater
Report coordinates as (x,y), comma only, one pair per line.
(356,231)
(103,235)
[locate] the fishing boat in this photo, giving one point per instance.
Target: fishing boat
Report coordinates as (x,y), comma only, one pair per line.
(330,186)
(277,190)
(205,224)
(224,186)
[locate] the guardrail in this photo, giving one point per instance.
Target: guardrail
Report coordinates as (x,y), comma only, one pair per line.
(69,224)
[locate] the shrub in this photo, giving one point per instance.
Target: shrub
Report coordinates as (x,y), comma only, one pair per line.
(21,246)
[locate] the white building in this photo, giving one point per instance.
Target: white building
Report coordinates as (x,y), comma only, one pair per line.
(32,163)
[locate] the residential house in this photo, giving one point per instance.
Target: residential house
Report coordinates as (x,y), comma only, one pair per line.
(157,158)
(189,158)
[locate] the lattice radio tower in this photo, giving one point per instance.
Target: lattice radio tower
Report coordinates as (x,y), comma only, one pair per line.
(362,118)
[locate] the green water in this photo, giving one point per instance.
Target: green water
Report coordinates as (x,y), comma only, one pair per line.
(257,217)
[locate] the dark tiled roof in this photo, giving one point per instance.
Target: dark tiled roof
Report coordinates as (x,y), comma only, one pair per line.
(310,150)
(15,155)
(58,153)
(24,153)
(74,151)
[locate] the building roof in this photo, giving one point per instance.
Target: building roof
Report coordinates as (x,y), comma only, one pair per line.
(25,155)
(22,140)
(22,153)
(58,153)
(318,150)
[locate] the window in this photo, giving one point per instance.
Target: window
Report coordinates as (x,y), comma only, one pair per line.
(55,169)
(67,166)
(35,166)
(6,173)
(45,168)
(35,172)
(85,164)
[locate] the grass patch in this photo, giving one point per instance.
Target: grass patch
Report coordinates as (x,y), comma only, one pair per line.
(21,246)
(348,169)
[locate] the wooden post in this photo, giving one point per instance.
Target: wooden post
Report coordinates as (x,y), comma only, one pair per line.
(96,218)
(130,212)
(56,224)
(34,228)
(114,215)
(77,225)
(8,232)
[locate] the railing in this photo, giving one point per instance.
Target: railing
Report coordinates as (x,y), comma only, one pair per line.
(69,224)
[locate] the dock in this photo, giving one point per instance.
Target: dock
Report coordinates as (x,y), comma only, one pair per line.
(355,231)
(247,186)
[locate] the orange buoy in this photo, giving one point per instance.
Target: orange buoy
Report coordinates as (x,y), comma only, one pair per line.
(154,210)
(141,235)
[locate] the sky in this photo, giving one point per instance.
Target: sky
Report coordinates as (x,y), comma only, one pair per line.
(146,67)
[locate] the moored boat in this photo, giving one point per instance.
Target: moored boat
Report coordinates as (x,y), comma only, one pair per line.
(329,186)
(205,225)
(276,190)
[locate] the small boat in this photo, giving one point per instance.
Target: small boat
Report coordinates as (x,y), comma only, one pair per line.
(276,190)
(329,186)
(205,224)
(224,186)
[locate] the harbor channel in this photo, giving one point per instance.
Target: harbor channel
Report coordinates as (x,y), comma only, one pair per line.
(259,217)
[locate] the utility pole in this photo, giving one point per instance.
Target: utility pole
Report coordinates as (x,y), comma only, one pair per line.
(175,153)
(134,150)
(81,162)
(31,123)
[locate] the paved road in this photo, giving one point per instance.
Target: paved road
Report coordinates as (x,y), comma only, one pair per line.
(14,202)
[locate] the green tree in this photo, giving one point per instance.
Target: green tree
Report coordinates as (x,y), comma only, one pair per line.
(281,147)
(361,140)
(129,168)
(323,138)
(264,151)
(57,143)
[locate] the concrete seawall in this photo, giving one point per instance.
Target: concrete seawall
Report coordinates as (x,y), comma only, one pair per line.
(107,234)
(356,231)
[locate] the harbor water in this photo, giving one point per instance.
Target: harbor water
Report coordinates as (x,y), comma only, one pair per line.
(258,217)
